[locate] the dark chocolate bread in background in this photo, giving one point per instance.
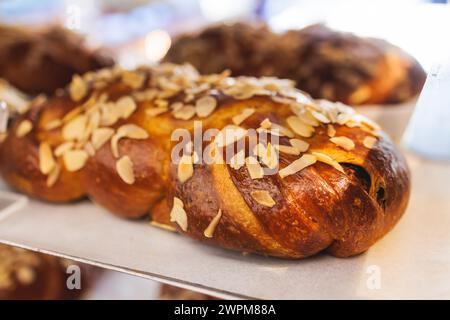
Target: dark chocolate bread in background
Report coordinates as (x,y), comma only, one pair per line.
(325,63)
(40,61)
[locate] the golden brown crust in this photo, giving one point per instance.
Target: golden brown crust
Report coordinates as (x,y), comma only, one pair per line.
(41,61)
(27,275)
(325,63)
(354,191)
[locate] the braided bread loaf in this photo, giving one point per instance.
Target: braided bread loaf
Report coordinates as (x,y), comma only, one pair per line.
(316,176)
(327,64)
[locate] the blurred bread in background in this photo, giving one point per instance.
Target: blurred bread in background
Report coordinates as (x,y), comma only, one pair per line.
(325,63)
(27,275)
(40,61)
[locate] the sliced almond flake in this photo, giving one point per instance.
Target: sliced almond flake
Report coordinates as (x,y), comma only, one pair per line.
(185,113)
(237,161)
(266,123)
(74,129)
(46,160)
(77,88)
(124,168)
(287,149)
(343,118)
(53,124)
(331,131)
(161,103)
(109,114)
(100,136)
(74,160)
(273,131)
(254,168)
(307,118)
(53,176)
(24,127)
(299,127)
(269,156)
(71,114)
(125,106)
(63,147)
(328,160)
(130,131)
(162,226)
(320,116)
(209,231)
(369,142)
(228,135)
(153,112)
(298,165)
(205,106)
(132,79)
(89,148)
(178,215)
(185,168)
(263,198)
(238,119)
(343,142)
(283,130)
(300,145)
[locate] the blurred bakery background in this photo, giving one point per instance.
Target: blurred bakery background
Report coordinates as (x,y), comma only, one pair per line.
(37,56)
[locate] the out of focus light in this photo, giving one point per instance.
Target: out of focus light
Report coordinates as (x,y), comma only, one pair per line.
(214,10)
(418,28)
(157,43)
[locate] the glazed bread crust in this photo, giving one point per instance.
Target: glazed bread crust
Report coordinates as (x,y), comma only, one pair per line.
(353,191)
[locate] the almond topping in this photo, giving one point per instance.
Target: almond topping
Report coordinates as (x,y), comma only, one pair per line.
(205,106)
(298,165)
(263,198)
(63,147)
(74,129)
(178,214)
(331,131)
(46,160)
(124,168)
(287,149)
(299,127)
(228,135)
(268,155)
(369,142)
(130,131)
(300,145)
(133,79)
(100,136)
(77,88)
(238,119)
(53,124)
(237,161)
(343,142)
(185,168)
(74,160)
(320,116)
(209,231)
(53,176)
(153,112)
(185,113)
(283,130)
(24,128)
(328,160)
(266,124)
(254,168)
(125,106)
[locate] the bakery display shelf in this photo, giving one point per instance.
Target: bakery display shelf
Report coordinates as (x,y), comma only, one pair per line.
(412,261)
